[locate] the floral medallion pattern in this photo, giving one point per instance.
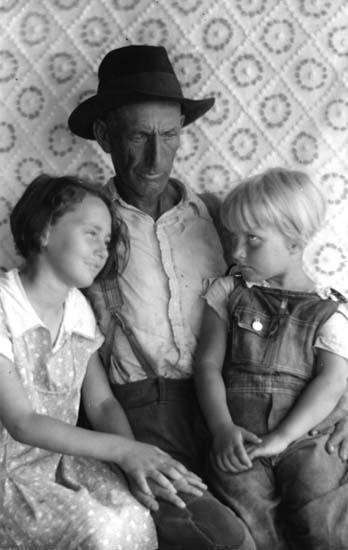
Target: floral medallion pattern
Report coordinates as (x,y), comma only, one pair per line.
(278,71)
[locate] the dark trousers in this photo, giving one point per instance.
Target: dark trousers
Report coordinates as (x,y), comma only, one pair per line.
(165,413)
(301,487)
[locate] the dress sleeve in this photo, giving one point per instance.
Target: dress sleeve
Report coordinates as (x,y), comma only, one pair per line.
(6,347)
(333,335)
(217,294)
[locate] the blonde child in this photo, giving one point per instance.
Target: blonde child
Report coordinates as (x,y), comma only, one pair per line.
(272,363)
(63,227)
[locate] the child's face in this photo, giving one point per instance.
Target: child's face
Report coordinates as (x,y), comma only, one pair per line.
(75,248)
(264,254)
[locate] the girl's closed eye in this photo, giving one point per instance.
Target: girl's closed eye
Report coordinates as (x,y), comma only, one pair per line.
(92,232)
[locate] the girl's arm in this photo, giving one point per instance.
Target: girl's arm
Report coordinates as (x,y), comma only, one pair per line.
(314,404)
(228,438)
(139,460)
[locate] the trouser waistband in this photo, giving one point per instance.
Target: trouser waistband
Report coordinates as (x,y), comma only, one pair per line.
(153,389)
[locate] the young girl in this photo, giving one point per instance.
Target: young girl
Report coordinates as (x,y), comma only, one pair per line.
(285,367)
(63,228)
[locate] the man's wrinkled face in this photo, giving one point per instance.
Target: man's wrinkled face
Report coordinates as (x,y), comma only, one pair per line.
(143,140)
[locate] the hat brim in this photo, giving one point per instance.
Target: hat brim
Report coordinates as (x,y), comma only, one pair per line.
(83,116)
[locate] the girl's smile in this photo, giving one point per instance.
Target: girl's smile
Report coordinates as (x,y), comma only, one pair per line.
(76,246)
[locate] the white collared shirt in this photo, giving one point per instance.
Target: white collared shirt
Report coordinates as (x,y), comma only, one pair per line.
(161,286)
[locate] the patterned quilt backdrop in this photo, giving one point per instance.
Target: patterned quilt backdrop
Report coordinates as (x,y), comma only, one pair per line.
(278,70)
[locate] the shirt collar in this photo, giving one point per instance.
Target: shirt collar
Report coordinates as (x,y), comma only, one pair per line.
(188,196)
(78,317)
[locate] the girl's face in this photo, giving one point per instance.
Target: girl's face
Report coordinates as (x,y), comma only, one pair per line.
(75,248)
(265,255)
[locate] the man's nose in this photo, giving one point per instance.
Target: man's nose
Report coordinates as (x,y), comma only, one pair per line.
(153,152)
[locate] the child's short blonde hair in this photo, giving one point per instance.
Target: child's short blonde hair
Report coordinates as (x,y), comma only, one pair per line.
(283,198)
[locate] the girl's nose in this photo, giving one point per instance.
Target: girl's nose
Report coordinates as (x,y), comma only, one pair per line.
(102,249)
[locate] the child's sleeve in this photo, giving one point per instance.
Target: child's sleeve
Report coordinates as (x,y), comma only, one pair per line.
(333,335)
(216,296)
(6,347)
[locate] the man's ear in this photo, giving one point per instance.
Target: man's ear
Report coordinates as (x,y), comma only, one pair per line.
(182,120)
(101,135)
(44,237)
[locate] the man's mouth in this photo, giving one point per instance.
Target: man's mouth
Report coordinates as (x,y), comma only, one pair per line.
(151,177)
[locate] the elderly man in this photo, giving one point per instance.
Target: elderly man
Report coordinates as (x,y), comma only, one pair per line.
(151,313)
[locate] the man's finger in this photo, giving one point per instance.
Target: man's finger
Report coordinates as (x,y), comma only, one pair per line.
(338,437)
(162,480)
(185,487)
(323,426)
(146,500)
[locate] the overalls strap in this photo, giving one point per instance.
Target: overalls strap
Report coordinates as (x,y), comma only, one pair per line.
(113,302)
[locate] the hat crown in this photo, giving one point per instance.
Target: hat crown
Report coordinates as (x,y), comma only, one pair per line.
(133,60)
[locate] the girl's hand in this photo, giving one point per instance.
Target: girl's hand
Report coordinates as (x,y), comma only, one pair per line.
(229,449)
(143,464)
(272,444)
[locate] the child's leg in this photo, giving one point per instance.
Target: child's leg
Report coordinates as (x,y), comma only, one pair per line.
(163,412)
(314,498)
(253,496)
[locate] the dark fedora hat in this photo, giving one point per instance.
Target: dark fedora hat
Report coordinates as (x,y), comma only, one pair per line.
(129,75)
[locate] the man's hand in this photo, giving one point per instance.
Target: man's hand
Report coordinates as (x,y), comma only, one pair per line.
(338,419)
(190,484)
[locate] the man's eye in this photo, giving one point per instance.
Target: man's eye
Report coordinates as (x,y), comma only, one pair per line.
(137,138)
(169,135)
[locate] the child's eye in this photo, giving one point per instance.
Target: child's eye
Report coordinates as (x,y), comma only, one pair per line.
(254,240)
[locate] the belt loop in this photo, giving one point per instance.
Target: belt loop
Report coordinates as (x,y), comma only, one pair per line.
(161,388)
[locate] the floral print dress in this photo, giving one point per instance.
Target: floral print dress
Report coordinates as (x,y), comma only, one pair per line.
(48,501)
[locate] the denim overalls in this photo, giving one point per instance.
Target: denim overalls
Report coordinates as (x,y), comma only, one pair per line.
(269,361)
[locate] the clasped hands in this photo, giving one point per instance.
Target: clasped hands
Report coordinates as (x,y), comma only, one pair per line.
(235,448)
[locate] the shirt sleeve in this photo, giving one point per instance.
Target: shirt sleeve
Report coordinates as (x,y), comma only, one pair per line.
(6,347)
(217,294)
(333,335)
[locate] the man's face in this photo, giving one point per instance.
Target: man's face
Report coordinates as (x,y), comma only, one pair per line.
(143,140)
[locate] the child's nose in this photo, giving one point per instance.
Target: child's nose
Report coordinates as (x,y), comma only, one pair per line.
(102,249)
(239,252)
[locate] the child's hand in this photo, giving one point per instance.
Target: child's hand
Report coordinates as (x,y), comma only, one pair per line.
(143,464)
(272,444)
(229,449)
